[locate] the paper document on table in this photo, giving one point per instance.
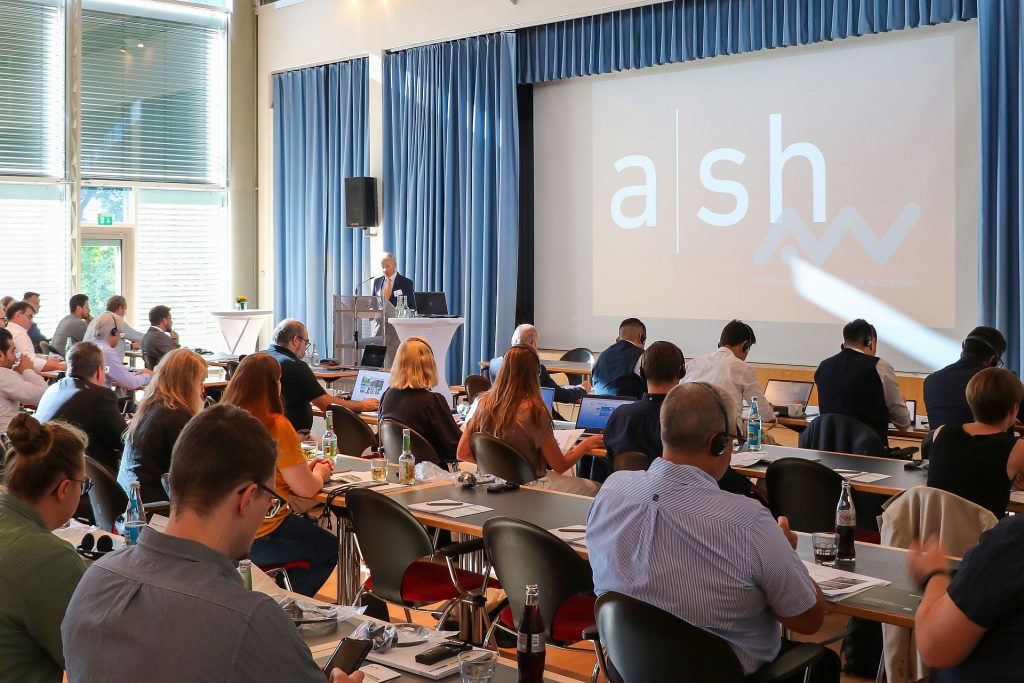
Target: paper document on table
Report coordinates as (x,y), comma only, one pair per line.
(447,507)
(863,477)
(742,459)
(575,534)
(835,582)
(567,438)
(404,658)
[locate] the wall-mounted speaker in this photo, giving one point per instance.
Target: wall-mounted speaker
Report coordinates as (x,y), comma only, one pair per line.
(360,202)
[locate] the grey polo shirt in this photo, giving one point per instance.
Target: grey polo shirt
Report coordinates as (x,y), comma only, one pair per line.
(173,610)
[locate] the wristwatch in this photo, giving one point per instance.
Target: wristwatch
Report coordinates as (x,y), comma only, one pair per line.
(931,575)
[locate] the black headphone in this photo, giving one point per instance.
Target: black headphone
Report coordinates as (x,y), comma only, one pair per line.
(718,442)
(746,345)
(643,358)
(92,548)
(987,344)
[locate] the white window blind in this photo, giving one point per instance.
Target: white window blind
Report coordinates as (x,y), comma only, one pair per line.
(32,88)
(154,93)
(34,234)
(183,261)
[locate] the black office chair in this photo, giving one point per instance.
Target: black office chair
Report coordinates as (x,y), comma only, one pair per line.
(841,434)
(230,367)
(476,385)
(496,457)
(150,360)
(805,491)
(398,553)
(390,433)
(354,435)
(631,461)
(524,554)
(578,355)
(643,643)
(108,500)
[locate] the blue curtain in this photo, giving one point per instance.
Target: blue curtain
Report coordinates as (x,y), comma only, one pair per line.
(683,30)
(1001,246)
(451,183)
(321,137)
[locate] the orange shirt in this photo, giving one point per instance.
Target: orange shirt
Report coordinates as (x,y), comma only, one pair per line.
(289,454)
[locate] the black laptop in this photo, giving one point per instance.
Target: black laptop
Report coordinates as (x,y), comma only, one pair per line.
(432,305)
(374,356)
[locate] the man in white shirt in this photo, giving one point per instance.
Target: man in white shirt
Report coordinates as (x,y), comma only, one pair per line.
(19,319)
(118,305)
(727,368)
(107,333)
(19,384)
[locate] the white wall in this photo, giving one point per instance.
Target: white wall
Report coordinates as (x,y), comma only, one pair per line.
(309,32)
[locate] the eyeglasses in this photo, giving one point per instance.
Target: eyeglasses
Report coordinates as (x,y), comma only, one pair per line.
(303,339)
(274,505)
(86,485)
(114,332)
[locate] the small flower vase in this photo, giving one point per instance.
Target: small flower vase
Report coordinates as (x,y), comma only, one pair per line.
(241,305)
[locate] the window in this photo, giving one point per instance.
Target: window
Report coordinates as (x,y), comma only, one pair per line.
(32,88)
(154,93)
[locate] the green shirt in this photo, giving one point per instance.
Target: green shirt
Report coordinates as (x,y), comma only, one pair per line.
(38,574)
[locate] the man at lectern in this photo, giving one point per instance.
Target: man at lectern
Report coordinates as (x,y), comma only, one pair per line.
(392,284)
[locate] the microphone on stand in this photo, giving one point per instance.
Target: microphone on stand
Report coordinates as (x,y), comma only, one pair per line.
(356,289)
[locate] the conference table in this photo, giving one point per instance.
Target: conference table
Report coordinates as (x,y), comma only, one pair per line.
(565,366)
(799,424)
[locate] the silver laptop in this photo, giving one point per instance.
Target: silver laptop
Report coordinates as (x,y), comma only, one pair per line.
(595,411)
(785,392)
(370,384)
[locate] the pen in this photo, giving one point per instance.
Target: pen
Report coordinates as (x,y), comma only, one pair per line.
(444,503)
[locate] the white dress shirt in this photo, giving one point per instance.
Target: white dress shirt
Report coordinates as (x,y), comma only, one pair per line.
(724,370)
(23,344)
(16,390)
(128,333)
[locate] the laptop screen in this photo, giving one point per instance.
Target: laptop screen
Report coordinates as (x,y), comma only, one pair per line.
(783,392)
(595,411)
(374,356)
(431,303)
(369,384)
(548,394)
(912,407)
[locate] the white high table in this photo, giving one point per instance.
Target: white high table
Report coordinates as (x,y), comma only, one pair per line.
(438,333)
(241,329)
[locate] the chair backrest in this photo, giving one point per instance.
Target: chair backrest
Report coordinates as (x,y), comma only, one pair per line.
(924,511)
(805,491)
(107,498)
(354,435)
(476,384)
(841,434)
(44,347)
(150,360)
(390,433)
(524,554)
(390,540)
(580,354)
(631,460)
(231,366)
(645,643)
(496,457)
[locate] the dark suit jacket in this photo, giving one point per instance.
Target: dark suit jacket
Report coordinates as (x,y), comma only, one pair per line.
(402,284)
(156,344)
(91,408)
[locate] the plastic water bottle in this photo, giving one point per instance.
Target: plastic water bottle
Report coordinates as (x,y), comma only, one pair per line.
(314,356)
(754,426)
(329,442)
(134,515)
(406,461)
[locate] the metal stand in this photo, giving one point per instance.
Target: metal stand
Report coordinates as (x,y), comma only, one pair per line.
(348,562)
(472,628)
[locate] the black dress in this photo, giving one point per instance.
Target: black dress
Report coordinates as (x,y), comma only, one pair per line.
(427,413)
(972,467)
(147,455)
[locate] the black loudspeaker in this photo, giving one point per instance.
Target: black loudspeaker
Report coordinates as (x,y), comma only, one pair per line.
(360,202)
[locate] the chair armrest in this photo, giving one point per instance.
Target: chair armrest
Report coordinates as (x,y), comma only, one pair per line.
(590,633)
(790,662)
(456,549)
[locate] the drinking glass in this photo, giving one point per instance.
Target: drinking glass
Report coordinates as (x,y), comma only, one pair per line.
(379,469)
(309,450)
(477,666)
(826,548)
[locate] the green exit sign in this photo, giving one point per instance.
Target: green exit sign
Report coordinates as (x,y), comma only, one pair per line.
(105,219)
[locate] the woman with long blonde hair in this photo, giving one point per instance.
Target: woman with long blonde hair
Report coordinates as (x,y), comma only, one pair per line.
(514,411)
(410,398)
(173,396)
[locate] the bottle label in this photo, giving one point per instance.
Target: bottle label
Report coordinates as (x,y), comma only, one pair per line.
(846,518)
(529,643)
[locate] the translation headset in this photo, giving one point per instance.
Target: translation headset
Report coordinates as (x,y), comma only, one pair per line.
(987,344)
(746,345)
(643,362)
(718,442)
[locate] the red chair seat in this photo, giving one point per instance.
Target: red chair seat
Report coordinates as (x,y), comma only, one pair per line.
(426,581)
(572,617)
(294,564)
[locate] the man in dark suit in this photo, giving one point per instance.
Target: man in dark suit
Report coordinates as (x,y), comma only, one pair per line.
(160,339)
(617,371)
(529,335)
(945,390)
(392,284)
(82,399)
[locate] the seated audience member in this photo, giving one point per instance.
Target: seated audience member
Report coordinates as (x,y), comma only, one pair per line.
(19,384)
(4,303)
(159,339)
(19,319)
(857,383)
(671,538)
(172,398)
(82,399)
(411,401)
(299,386)
(980,460)
(968,626)
(183,582)
(945,390)
(284,537)
(728,368)
(108,337)
(32,298)
(617,370)
(130,337)
(513,411)
(45,476)
(530,336)
(71,329)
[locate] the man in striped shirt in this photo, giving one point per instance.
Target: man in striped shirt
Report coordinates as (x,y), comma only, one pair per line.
(670,537)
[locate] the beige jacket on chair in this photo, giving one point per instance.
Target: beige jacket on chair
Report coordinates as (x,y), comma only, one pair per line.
(918,513)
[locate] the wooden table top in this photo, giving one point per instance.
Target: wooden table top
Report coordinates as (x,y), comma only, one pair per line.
(800,423)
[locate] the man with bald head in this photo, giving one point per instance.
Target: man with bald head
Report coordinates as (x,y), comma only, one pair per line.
(300,389)
(670,537)
(393,284)
(530,336)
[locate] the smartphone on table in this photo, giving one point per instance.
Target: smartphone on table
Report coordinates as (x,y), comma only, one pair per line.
(349,655)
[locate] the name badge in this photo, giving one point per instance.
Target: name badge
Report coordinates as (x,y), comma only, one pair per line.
(397,292)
